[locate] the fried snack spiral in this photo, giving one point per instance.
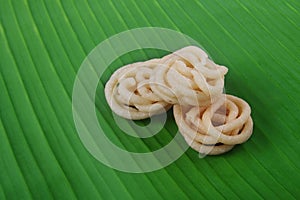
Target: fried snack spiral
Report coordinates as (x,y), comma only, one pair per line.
(128,91)
(189,78)
(217,128)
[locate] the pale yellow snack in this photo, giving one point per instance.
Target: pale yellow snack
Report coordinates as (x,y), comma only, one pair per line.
(189,78)
(211,122)
(217,128)
(128,91)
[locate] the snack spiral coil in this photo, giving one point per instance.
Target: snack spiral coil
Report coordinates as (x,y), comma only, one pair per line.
(189,77)
(128,91)
(217,128)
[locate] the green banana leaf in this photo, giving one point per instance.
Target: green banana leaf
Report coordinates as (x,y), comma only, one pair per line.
(42,46)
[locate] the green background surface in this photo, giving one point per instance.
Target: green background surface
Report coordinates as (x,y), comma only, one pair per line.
(42,45)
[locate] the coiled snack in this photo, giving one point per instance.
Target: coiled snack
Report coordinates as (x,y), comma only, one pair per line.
(211,122)
(217,128)
(189,77)
(128,91)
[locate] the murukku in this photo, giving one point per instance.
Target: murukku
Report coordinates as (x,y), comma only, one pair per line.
(189,77)
(128,91)
(211,122)
(217,128)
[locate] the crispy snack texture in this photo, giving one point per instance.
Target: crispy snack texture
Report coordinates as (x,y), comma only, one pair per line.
(210,121)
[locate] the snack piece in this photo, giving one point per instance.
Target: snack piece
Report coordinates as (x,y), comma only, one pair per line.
(128,91)
(217,128)
(189,78)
